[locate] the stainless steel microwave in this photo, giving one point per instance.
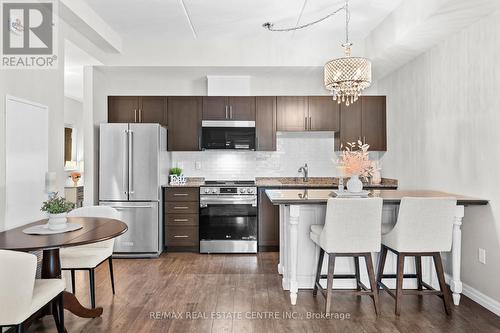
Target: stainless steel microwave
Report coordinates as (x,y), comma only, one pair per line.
(228,134)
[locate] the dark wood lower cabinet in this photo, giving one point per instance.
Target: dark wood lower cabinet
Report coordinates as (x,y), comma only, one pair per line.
(269,220)
(181,219)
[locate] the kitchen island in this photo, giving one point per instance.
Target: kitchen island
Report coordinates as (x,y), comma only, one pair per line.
(300,208)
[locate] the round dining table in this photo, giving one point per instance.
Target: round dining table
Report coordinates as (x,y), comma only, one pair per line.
(94,229)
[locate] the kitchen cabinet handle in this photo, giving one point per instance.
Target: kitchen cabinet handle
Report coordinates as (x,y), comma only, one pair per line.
(230,112)
(135,115)
(364,139)
(181,236)
(310,126)
(140,115)
(226,111)
(181,207)
(305,123)
(181,220)
(181,194)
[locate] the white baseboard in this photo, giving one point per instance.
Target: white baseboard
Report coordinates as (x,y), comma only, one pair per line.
(478,297)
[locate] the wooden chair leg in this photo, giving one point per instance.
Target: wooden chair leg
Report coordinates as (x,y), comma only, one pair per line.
(399,283)
(60,307)
(110,261)
(373,283)
(73,287)
(418,271)
(329,281)
(318,271)
(381,264)
(92,288)
(356,273)
(438,264)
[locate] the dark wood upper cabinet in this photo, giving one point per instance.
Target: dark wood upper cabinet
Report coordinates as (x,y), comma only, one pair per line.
(229,108)
(123,109)
(365,120)
(215,108)
(373,122)
(153,109)
(265,123)
(184,120)
(241,108)
(291,113)
(137,109)
(350,122)
(323,114)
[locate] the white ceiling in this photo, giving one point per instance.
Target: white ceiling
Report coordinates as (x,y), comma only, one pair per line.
(152,27)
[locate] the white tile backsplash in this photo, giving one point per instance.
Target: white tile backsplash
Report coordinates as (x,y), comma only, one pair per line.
(293,150)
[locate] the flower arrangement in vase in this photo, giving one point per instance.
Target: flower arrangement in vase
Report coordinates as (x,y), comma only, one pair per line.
(57,208)
(355,163)
(75,177)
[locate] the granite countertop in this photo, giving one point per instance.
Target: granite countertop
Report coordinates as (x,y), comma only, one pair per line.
(317,182)
(294,182)
(308,196)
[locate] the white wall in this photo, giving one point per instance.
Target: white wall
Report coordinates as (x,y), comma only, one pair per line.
(44,87)
(443,117)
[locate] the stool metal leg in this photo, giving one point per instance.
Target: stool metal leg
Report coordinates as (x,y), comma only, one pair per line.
(438,264)
(356,270)
(418,271)
(381,263)
(373,283)
(329,281)
(318,271)
(399,282)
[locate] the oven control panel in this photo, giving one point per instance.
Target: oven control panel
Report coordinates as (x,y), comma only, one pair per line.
(228,190)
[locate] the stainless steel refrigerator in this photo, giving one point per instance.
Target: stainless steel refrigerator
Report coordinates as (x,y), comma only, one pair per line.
(132,160)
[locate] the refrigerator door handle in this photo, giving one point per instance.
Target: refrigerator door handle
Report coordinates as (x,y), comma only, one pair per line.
(131,162)
(125,163)
(129,207)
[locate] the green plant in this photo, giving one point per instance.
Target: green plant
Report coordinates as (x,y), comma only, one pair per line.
(57,205)
(175,171)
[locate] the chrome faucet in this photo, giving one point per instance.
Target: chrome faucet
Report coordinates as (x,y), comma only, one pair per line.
(305,170)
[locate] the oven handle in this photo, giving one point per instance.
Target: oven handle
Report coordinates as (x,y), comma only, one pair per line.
(204,202)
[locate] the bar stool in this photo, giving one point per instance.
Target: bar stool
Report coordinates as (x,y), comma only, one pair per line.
(352,229)
(423,228)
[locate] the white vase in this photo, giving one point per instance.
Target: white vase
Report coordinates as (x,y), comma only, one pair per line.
(58,221)
(376,178)
(354,184)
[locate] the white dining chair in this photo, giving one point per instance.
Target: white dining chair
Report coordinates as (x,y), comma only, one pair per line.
(352,229)
(88,257)
(423,228)
(21,295)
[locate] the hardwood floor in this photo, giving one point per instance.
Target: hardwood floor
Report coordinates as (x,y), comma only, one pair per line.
(246,286)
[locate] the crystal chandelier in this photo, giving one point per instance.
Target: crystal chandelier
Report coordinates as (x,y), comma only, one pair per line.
(346,77)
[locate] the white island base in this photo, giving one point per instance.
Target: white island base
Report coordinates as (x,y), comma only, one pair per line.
(299,255)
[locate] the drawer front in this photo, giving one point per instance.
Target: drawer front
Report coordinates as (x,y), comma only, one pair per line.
(182,194)
(182,219)
(182,207)
(181,236)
